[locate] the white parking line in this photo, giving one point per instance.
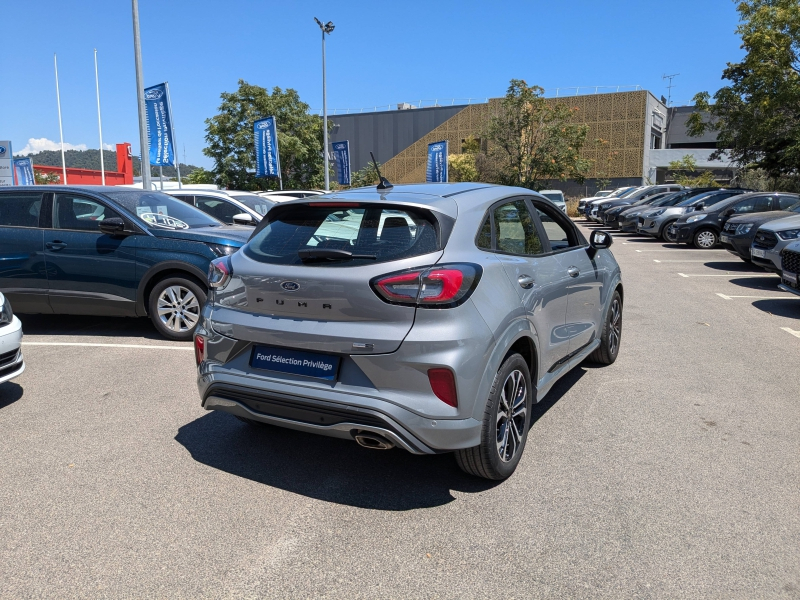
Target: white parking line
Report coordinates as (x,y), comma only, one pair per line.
(683,250)
(727,297)
(791,331)
(87,345)
(680,261)
(727,275)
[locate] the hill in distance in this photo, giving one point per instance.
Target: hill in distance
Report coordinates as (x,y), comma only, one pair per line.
(90,159)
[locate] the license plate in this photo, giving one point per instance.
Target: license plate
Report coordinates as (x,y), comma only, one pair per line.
(758,252)
(295,362)
(790,277)
(724,239)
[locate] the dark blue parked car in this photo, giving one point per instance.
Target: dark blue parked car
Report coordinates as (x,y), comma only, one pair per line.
(109,251)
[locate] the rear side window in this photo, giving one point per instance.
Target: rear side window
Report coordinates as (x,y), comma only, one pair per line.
(786,202)
(515,231)
(20,209)
(343,235)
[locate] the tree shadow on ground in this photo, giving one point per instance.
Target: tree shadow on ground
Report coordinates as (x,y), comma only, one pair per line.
(336,470)
(10,392)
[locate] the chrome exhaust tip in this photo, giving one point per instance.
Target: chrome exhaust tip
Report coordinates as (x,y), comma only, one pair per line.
(373,441)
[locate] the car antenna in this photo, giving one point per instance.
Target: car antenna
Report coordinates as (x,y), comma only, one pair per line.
(384,184)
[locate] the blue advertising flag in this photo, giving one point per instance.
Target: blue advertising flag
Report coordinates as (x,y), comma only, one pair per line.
(341,156)
(23,168)
(437,162)
(268,162)
(159,126)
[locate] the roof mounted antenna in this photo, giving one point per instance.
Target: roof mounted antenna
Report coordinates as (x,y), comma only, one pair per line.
(384,184)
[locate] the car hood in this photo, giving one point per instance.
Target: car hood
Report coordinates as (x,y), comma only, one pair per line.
(792,222)
(228,235)
(670,210)
(760,218)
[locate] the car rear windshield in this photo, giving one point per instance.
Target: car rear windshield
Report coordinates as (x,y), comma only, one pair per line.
(161,211)
(348,234)
(554,197)
(257,203)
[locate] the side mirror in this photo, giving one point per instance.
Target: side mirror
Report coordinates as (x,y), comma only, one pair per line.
(700,206)
(243,219)
(113,226)
(600,240)
(729,212)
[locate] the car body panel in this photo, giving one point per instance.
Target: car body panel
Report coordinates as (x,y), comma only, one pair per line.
(772,244)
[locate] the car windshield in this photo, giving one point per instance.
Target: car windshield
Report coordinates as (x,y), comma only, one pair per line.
(630,193)
(254,202)
(554,197)
(162,211)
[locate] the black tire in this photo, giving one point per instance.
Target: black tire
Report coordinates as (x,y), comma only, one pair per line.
(611,338)
(665,232)
(485,460)
(705,239)
(186,313)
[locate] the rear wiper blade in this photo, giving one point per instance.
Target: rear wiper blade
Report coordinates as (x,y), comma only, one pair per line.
(330,254)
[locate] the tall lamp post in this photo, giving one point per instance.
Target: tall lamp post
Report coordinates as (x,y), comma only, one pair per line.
(137,51)
(326,28)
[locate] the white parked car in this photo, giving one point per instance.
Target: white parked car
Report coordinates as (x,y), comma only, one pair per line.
(11,362)
(232,207)
(556,197)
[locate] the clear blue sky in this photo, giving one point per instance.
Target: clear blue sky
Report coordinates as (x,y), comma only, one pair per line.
(380,53)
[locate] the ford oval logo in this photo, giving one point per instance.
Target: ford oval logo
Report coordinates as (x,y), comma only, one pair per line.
(2,150)
(153,94)
(290,286)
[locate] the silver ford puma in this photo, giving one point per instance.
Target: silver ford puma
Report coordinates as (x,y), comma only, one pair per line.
(429,317)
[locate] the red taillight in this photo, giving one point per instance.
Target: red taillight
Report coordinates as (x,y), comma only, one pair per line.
(443,384)
(219,272)
(199,348)
(443,286)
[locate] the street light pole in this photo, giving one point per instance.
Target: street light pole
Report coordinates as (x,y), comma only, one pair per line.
(326,28)
(143,141)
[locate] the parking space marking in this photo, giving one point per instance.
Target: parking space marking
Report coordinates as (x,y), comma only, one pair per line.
(737,275)
(727,297)
(89,345)
(680,261)
(791,331)
(683,250)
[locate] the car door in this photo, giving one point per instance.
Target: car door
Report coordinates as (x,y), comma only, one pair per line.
(584,277)
(538,277)
(23,273)
(218,208)
(90,273)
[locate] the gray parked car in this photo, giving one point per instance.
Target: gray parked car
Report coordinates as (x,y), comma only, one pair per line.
(429,317)
(790,268)
(771,238)
(658,223)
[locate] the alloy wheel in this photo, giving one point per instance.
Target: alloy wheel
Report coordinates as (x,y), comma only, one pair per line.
(178,308)
(511,415)
(615,327)
(668,236)
(706,239)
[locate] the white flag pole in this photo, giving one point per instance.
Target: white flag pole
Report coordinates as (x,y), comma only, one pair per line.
(99,120)
(60,128)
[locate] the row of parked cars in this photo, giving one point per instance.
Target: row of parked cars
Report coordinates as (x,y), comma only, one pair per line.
(762,228)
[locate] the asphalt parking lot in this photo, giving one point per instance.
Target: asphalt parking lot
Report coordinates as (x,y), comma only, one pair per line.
(672,473)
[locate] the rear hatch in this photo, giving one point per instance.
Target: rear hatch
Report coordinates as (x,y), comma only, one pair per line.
(303,280)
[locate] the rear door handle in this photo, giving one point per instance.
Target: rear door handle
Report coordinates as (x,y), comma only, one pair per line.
(525,281)
(573,271)
(55,245)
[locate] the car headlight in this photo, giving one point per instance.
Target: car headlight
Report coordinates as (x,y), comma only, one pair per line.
(221,250)
(743,228)
(6,314)
(658,213)
(696,218)
(789,234)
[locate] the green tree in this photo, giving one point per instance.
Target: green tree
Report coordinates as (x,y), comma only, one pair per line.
(532,140)
(757,116)
(682,169)
(199,175)
(365,177)
(463,166)
(231,142)
(42,178)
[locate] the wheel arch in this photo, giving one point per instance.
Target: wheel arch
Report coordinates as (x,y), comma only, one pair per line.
(162,271)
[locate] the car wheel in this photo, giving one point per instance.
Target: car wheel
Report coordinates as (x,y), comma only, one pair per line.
(174,307)
(611,338)
(505,423)
(666,235)
(705,239)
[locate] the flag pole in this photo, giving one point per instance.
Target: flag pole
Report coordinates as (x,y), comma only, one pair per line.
(174,143)
(143,133)
(60,128)
(99,120)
